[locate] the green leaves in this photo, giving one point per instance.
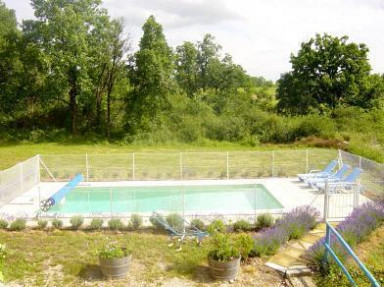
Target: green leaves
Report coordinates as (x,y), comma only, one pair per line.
(326,70)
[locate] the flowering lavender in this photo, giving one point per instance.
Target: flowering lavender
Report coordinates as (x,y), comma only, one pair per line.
(292,226)
(354,229)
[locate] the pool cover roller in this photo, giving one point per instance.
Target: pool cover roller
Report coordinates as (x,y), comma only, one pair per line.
(46,204)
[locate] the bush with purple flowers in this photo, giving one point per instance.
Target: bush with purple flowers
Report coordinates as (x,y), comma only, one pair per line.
(292,226)
(354,229)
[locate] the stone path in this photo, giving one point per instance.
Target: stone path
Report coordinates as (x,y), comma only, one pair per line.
(290,261)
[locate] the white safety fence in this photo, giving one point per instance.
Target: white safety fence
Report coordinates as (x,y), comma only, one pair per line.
(19,179)
(183,165)
(372,178)
(149,166)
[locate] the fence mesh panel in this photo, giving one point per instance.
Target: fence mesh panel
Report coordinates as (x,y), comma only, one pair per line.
(183,165)
(372,179)
(18,179)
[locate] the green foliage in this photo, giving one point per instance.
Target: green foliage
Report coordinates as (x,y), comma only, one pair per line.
(57,223)
(42,224)
(244,244)
(216,226)
(175,220)
(96,224)
(18,225)
(3,224)
(150,72)
(76,221)
(225,248)
(264,220)
(241,225)
(136,221)
(327,71)
(115,224)
(198,223)
(109,252)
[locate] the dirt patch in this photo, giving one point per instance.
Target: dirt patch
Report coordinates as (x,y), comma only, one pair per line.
(252,274)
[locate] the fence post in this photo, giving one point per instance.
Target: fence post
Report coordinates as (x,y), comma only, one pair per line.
(181,165)
(356,195)
(86,166)
(133,166)
(21,177)
(273,163)
(306,161)
(38,169)
(326,201)
(227,164)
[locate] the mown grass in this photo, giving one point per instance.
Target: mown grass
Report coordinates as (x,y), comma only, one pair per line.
(31,254)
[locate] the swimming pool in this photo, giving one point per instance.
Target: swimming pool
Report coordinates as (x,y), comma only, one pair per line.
(196,199)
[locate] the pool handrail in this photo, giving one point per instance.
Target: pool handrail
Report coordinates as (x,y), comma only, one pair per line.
(328,250)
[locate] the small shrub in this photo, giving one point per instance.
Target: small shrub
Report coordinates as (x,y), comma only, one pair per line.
(175,220)
(18,225)
(57,223)
(96,224)
(136,221)
(241,225)
(115,224)
(264,220)
(269,241)
(225,248)
(76,221)
(244,244)
(3,224)
(198,223)
(109,252)
(216,226)
(42,224)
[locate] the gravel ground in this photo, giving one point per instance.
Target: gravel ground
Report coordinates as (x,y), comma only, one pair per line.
(252,274)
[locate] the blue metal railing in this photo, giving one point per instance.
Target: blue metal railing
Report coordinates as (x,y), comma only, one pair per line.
(328,250)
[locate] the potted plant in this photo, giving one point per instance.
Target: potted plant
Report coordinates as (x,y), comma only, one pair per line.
(224,259)
(114,261)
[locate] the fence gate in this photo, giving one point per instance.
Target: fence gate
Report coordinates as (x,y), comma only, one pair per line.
(340,202)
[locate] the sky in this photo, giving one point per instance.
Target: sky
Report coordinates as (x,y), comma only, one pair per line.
(260,34)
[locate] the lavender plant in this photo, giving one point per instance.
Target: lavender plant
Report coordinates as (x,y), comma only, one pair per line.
(354,229)
(292,226)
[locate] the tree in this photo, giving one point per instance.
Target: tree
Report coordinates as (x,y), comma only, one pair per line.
(150,72)
(72,35)
(187,68)
(326,72)
(208,52)
(10,64)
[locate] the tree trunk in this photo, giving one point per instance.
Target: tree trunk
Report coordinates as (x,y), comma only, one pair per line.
(73,108)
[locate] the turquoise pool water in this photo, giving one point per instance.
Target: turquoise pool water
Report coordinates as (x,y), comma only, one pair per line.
(228,199)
